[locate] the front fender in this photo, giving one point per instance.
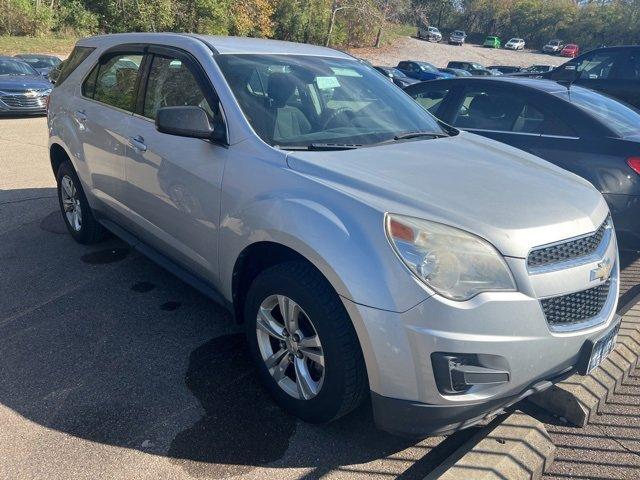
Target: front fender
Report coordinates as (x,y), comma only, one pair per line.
(347,244)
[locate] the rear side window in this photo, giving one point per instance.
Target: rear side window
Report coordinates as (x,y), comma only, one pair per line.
(113,81)
(78,55)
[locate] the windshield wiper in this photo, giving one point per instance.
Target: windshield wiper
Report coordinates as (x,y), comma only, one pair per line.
(416,134)
(321,147)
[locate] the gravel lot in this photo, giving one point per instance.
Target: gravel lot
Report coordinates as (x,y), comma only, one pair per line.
(407,48)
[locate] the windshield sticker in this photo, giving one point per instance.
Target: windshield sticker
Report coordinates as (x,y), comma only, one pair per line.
(345,72)
(326,83)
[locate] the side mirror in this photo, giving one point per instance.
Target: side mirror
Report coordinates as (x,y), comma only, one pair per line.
(184,122)
(567,73)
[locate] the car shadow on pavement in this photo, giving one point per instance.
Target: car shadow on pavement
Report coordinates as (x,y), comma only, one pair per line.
(100,343)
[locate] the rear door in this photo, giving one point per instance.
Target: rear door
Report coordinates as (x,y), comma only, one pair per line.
(174,183)
(102,115)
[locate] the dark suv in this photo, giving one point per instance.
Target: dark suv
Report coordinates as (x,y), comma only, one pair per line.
(611,70)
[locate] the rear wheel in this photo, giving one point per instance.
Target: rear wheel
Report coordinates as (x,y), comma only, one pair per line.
(304,344)
(77,214)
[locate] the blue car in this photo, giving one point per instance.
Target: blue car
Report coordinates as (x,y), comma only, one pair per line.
(22,89)
(421,71)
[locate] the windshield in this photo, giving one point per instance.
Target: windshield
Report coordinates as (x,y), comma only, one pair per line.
(458,33)
(427,67)
(293,100)
(554,43)
(41,62)
(622,119)
(14,67)
(397,73)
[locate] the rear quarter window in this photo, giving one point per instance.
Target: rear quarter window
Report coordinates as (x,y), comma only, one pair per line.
(78,55)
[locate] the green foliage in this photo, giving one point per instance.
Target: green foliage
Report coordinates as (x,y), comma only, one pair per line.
(357,22)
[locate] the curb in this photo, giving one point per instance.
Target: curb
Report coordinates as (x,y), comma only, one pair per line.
(579,398)
(515,447)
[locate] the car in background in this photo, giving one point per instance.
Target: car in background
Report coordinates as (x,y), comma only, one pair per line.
(473,68)
(506,69)
(578,129)
(43,64)
(23,91)
(421,70)
(492,42)
(396,76)
(570,50)
(515,44)
(611,70)
(54,73)
(430,33)
(538,69)
(457,37)
(553,46)
(494,72)
(456,72)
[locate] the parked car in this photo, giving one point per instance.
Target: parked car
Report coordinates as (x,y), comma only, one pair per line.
(538,69)
(392,273)
(473,68)
(515,44)
(54,73)
(580,130)
(457,37)
(553,46)
(430,33)
(41,63)
(494,72)
(570,50)
(612,70)
(506,69)
(492,42)
(22,89)
(456,72)
(396,76)
(421,70)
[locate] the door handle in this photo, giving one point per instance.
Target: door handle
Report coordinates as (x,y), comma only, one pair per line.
(137,143)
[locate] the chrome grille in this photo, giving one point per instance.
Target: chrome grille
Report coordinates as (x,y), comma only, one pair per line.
(574,308)
(580,247)
(23,101)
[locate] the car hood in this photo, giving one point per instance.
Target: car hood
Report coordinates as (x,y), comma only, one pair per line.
(513,199)
(26,82)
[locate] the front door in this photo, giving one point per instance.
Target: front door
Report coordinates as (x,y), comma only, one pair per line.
(174,183)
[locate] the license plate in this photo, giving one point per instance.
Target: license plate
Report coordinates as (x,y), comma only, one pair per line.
(603,347)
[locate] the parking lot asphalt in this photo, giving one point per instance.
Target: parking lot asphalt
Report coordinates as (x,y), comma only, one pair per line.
(112,368)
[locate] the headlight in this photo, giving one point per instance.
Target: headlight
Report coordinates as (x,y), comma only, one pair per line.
(456,264)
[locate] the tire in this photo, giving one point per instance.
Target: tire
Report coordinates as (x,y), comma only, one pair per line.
(83,227)
(334,390)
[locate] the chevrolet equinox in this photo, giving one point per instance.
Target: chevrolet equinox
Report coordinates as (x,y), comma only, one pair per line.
(372,252)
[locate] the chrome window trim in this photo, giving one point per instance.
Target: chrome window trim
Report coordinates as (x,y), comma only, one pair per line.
(597,255)
(527,134)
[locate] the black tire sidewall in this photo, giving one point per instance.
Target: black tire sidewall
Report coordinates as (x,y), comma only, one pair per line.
(81,236)
(326,405)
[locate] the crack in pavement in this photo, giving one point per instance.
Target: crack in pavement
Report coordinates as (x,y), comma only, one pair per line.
(11,202)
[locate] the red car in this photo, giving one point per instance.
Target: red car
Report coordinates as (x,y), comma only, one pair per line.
(570,50)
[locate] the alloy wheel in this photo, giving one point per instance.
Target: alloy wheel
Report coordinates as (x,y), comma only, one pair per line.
(71,203)
(290,347)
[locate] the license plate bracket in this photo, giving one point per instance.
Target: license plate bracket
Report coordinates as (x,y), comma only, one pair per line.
(595,351)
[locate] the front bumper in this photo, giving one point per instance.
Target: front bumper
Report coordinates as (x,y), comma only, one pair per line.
(505,329)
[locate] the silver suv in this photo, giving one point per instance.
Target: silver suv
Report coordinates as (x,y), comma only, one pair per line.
(370,250)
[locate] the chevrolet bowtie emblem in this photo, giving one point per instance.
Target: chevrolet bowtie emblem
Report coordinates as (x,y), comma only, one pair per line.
(602,271)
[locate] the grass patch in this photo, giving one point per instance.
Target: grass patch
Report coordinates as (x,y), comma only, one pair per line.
(57,46)
(394,31)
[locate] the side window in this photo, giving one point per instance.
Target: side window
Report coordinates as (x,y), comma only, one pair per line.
(78,55)
(115,81)
(403,65)
(499,111)
(599,66)
(431,99)
(171,84)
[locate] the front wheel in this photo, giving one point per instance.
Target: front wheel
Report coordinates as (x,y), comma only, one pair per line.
(304,344)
